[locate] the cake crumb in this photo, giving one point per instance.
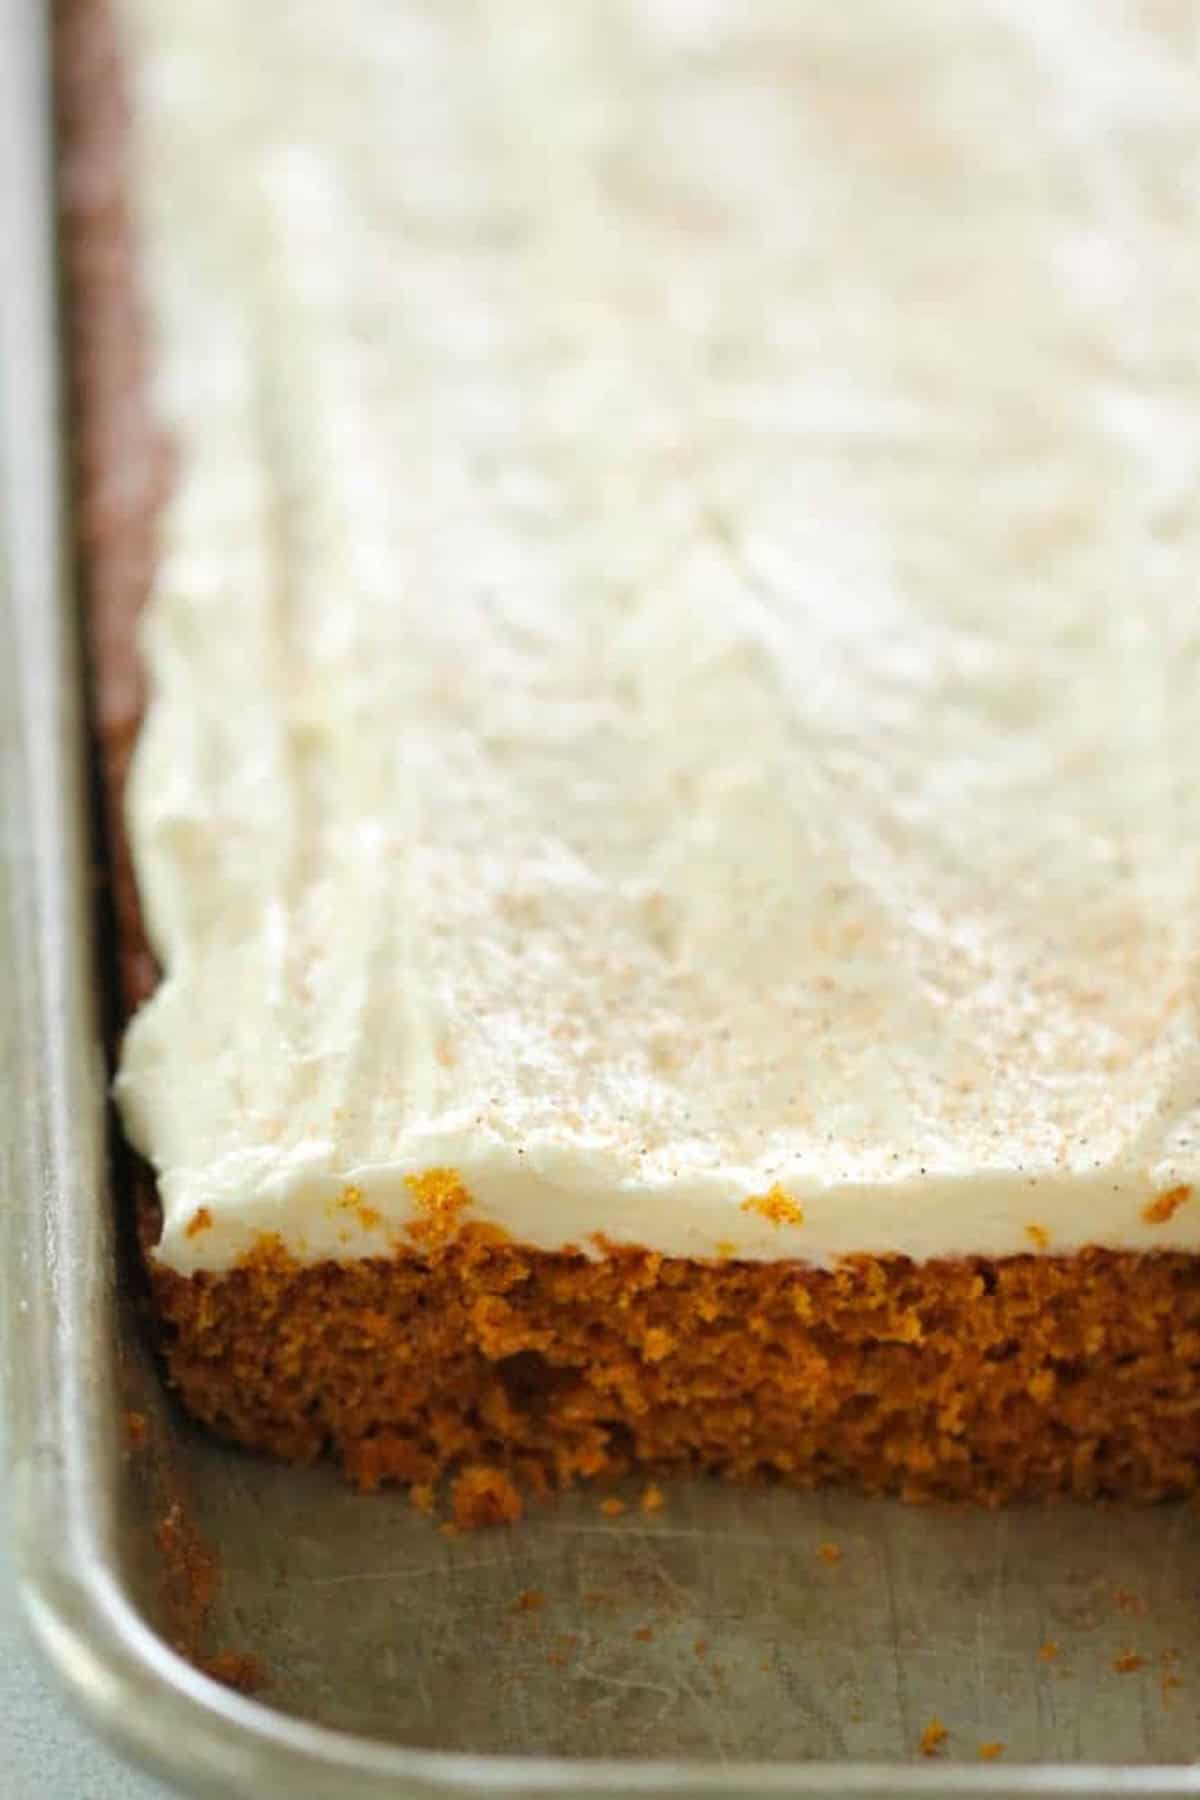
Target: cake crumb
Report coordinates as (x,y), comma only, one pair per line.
(1128,1662)
(989,1751)
(567,1644)
(612,1507)
(701,1646)
(483,1495)
(235,1669)
(776,1205)
(1038,1236)
(1127,1602)
(190,1579)
(1048,1651)
(830,1553)
(530,1600)
(644,1634)
(653,1499)
(135,1428)
(933,1737)
(441,1200)
(1164,1205)
(201,1220)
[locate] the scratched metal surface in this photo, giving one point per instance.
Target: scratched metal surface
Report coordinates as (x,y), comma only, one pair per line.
(714,1628)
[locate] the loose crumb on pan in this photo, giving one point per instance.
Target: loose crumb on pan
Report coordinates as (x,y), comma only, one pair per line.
(135,1428)
(567,1646)
(483,1495)
(989,1751)
(644,1634)
(1038,1236)
(653,1499)
(236,1669)
(201,1220)
(1165,1205)
(530,1600)
(190,1578)
(1128,1662)
(1128,1602)
(1048,1651)
(612,1507)
(933,1737)
(830,1553)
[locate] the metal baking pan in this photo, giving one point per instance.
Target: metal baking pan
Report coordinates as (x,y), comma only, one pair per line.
(709,1648)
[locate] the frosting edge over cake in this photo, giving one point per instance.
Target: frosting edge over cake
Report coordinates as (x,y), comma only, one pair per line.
(673,659)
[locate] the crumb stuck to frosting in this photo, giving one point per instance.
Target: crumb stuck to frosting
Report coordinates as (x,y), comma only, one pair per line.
(442,1203)
(1164,1206)
(775,1205)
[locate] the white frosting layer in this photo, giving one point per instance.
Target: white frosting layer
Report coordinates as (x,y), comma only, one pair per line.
(676,645)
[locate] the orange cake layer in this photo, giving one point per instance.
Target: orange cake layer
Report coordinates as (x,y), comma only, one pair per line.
(958,1380)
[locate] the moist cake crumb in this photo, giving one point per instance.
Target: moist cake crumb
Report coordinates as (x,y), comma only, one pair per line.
(235,1669)
(482,1495)
(933,1737)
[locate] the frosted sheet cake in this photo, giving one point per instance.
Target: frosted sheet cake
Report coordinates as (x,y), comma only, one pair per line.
(667,813)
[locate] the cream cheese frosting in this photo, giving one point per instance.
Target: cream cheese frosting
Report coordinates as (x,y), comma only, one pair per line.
(675,652)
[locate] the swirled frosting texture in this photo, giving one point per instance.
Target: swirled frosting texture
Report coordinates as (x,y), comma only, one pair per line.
(675,651)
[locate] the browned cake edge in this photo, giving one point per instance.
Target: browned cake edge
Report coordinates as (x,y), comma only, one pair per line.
(964,1378)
